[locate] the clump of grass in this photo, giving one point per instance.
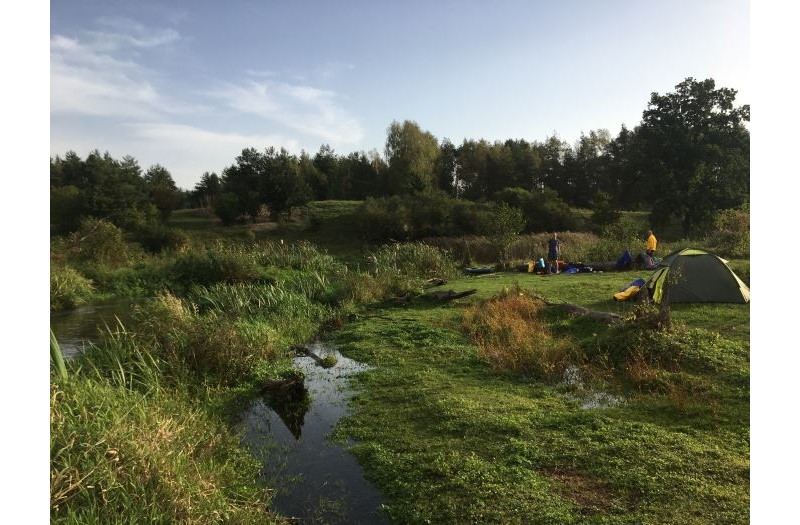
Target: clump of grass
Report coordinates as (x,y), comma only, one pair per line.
(120,455)
(416,260)
(229,349)
(328,361)
(258,300)
(512,337)
(68,288)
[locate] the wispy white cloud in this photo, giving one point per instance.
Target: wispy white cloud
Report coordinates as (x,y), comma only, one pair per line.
(181,135)
(126,32)
(93,76)
(304,108)
(102,74)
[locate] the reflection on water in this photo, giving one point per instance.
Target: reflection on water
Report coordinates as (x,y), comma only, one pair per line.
(74,328)
(317,481)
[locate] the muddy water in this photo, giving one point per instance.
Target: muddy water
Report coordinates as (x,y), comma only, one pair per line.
(78,326)
(318,481)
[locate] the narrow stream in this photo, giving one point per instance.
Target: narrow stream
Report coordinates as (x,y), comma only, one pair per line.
(317,481)
(76,327)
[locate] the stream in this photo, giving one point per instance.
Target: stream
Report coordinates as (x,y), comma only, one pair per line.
(317,481)
(78,326)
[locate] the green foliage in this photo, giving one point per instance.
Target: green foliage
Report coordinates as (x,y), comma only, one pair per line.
(57,358)
(731,235)
(604,213)
(155,237)
(68,287)
(100,242)
(220,263)
(507,223)
(411,154)
(65,208)
(697,148)
(228,207)
(543,210)
(419,216)
(123,455)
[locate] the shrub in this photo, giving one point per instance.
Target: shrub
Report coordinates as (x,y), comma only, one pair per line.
(543,210)
(209,345)
(604,213)
(731,236)
(68,287)
(512,337)
(506,224)
(413,217)
(155,237)
(228,207)
(100,242)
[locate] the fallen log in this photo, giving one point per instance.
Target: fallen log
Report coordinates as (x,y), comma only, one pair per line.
(449,295)
(603,317)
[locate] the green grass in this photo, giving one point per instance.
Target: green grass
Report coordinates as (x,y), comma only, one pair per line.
(449,441)
(445,437)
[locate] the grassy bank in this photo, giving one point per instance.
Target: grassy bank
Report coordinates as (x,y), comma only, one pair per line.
(140,426)
(451,437)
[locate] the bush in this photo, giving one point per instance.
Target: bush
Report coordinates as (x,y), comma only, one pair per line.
(731,236)
(68,288)
(544,210)
(155,237)
(507,222)
(100,242)
(412,217)
(65,208)
(228,207)
(604,213)
(512,337)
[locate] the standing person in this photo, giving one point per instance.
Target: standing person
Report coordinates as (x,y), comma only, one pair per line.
(651,244)
(553,251)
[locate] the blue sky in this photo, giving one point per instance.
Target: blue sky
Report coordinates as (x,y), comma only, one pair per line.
(189,84)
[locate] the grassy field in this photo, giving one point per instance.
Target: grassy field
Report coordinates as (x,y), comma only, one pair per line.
(449,440)
(491,409)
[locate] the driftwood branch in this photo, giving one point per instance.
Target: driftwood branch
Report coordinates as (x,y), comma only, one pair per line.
(304,350)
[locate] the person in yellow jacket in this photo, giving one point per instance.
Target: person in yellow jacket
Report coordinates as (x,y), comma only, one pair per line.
(651,244)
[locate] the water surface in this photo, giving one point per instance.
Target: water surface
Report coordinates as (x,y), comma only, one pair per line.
(76,327)
(318,481)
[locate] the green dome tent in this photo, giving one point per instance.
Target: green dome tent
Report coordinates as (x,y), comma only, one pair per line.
(698,276)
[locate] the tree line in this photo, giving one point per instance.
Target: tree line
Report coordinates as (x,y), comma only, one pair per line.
(687,158)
